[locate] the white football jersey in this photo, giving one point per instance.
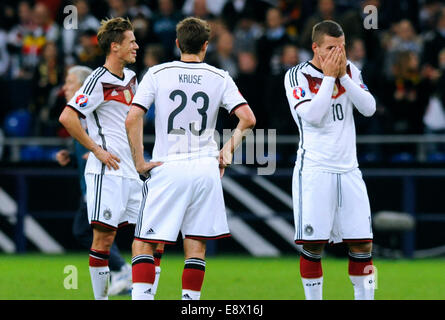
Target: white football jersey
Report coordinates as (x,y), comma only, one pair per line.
(104,101)
(330,147)
(187,98)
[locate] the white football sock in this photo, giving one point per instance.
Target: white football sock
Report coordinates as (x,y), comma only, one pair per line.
(142,291)
(364,287)
(100,277)
(313,288)
(190,295)
(155,284)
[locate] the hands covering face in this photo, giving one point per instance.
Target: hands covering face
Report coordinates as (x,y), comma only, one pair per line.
(334,65)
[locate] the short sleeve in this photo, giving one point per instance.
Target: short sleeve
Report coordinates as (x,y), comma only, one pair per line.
(146,91)
(89,96)
(297,88)
(231,98)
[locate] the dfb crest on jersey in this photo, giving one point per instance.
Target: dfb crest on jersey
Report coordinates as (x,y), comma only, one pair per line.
(335,91)
(127,95)
(82,100)
(299,93)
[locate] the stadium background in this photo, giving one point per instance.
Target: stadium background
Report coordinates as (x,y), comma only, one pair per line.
(401,148)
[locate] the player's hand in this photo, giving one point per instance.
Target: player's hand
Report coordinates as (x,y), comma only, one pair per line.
(225,160)
(108,159)
(63,157)
(330,65)
(221,172)
(343,62)
(146,167)
(85,155)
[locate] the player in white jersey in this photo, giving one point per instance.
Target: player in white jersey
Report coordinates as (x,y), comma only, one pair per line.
(120,271)
(330,199)
(184,194)
(113,184)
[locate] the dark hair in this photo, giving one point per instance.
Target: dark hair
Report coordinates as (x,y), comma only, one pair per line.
(112,30)
(192,33)
(326,27)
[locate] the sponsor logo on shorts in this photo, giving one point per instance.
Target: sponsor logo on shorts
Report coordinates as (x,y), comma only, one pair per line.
(151,231)
(308,230)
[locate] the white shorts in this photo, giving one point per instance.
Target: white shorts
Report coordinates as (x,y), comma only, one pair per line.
(184,196)
(112,201)
(330,207)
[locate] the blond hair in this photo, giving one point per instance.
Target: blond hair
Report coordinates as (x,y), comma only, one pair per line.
(112,30)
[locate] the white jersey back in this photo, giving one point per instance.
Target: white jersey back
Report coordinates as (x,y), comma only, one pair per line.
(187,98)
(330,147)
(104,101)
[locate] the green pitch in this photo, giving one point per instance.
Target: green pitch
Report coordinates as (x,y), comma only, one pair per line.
(37,276)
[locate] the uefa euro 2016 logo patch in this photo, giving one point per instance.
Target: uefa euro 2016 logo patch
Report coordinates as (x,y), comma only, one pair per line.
(82,100)
(299,93)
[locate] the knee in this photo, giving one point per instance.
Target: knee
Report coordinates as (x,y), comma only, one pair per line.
(140,247)
(313,248)
(103,240)
(359,247)
(194,248)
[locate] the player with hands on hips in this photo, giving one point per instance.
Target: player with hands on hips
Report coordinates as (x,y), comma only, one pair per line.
(114,187)
(183,193)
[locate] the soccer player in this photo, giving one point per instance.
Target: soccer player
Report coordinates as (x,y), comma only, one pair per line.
(329,195)
(113,184)
(184,194)
(120,270)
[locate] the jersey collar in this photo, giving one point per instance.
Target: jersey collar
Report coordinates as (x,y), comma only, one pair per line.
(196,62)
(120,78)
(318,69)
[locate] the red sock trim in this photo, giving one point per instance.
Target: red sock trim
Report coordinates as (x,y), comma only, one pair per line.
(310,269)
(360,268)
(143,272)
(192,279)
(98,258)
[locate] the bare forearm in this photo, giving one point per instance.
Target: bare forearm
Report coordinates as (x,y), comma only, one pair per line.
(242,130)
(235,140)
(134,127)
(69,119)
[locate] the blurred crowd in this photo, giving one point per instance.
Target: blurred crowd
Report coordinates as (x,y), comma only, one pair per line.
(256,41)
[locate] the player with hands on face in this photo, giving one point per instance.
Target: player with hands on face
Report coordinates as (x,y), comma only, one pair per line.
(330,199)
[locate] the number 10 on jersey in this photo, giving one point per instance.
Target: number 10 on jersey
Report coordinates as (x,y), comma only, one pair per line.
(337,112)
